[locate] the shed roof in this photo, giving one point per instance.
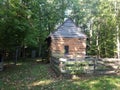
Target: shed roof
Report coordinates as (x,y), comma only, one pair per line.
(68,29)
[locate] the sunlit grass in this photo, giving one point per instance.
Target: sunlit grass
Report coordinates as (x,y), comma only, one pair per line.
(38,83)
(99,83)
(38,76)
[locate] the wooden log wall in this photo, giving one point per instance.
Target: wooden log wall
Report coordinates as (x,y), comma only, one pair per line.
(76,46)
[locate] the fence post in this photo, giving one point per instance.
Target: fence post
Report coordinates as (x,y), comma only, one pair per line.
(95,60)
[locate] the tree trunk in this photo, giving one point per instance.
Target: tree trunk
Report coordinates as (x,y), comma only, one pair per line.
(16,55)
(117,29)
(98,49)
(118,43)
(40,50)
(23,52)
(97,43)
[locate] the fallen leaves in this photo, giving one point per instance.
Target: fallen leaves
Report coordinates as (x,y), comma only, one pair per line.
(40,77)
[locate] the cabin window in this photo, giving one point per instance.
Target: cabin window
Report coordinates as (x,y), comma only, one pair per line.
(66,49)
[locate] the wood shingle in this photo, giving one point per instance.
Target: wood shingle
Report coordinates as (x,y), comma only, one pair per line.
(68,30)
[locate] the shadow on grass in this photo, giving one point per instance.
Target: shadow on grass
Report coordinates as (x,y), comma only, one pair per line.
(34,75)
(97,83)
(20,75)
(25,63)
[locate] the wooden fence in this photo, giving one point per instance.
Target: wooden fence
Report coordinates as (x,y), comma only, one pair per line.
(64,66)
(108,66)
(72,66)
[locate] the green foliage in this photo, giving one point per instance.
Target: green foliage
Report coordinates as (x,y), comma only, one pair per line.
(98,19)
(29,22)
(15,24)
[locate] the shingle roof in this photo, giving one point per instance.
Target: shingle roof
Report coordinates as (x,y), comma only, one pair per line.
(68,29)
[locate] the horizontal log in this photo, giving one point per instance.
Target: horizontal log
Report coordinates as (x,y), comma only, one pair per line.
(105,72)
(56,69)
(110,60)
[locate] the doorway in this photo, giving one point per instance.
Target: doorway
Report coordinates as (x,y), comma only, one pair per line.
(66,49)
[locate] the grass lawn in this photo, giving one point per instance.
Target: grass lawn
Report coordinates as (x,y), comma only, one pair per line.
(30,75)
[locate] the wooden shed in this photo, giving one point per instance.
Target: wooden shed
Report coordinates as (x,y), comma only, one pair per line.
(68,40)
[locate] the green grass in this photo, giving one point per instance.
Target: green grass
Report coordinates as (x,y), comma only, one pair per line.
(30,75)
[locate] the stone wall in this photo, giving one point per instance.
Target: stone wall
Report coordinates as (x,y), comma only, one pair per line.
(77,46)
